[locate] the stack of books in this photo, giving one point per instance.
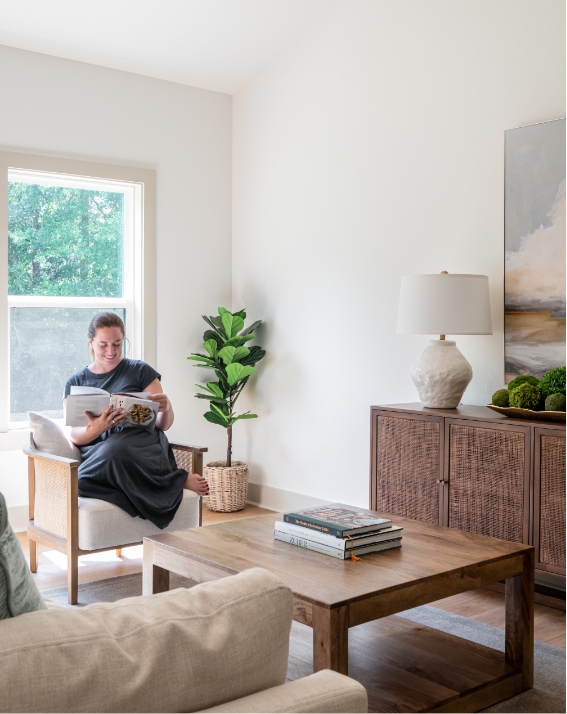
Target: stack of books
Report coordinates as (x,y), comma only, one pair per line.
(338,531)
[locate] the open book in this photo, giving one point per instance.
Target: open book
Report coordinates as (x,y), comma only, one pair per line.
(140,411)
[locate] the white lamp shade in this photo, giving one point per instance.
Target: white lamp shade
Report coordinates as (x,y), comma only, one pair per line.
(445,304)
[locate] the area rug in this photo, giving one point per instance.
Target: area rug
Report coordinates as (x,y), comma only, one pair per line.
(547,695)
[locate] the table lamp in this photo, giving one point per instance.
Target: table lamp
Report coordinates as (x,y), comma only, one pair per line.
(444,304)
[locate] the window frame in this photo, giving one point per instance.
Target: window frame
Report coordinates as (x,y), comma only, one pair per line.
(141,284)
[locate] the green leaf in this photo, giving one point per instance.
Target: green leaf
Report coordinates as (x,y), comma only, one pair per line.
(205,389)
(215,389)
(222,412)
(236,341)
(217,322)
(211,347)
(240,353)
(232,324)
(205,363)
(214,335)
(216,400)
(245,416)
(252,327)
(203,358)
(214,418)
(223,310)
(218,329)
(236,372)
(256,354)
(227,354)
(240,313)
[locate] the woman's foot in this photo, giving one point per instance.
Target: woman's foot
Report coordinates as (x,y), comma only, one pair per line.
(198,484)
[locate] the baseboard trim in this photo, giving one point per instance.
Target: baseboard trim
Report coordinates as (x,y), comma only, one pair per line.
(18,516)
(277,499)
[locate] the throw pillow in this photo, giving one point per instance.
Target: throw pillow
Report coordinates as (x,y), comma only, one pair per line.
(48,437)
(18,591)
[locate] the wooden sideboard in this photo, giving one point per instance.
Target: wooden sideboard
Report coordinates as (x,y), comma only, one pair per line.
(476,470)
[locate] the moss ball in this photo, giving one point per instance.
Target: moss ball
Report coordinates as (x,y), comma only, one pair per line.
(553,382)
(526,396)
(555,403)
(522,379)
(501,398)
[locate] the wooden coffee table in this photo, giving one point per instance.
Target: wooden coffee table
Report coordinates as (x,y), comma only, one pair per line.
(332,595)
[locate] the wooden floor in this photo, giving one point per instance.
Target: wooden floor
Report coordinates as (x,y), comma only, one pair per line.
(482,605)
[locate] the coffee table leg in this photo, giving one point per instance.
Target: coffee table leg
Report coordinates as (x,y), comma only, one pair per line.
(154,578)
(330,639)
(520,621)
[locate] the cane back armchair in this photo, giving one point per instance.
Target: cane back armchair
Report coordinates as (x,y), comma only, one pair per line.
(61,520)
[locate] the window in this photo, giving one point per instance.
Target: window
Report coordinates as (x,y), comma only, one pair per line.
(75,246)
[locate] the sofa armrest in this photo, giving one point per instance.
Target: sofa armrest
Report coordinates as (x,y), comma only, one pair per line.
(53,494)
(189,457)
(325,691)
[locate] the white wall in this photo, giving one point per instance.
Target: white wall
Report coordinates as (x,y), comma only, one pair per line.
(76,110)
(370,149)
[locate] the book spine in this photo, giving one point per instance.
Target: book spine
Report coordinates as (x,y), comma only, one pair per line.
(312,545)
(311,534)
(314,524)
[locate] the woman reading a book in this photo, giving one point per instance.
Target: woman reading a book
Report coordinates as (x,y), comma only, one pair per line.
(129,465)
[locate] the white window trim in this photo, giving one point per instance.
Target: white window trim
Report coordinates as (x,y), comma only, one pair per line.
(142,309)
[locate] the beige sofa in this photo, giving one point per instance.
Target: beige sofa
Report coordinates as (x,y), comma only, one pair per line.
(221,646)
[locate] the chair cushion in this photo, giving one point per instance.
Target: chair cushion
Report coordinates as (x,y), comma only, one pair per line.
(18,591)
(104,525)
(179,651)
(50,438)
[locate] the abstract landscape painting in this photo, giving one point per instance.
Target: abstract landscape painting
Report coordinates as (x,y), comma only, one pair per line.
(534,243)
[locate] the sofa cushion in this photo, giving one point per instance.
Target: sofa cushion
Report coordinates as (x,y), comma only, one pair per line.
(179,651)
(18,591)
(50,438)
(104,525)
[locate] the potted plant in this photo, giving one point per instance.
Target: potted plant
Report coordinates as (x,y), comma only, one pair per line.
(233,363)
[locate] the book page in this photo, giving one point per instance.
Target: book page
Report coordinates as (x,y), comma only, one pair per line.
(138,395)
(77,404)
(76,389)
(141,412)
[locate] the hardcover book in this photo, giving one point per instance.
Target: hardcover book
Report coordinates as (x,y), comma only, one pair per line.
(338,520)
(346,543)
(337,552)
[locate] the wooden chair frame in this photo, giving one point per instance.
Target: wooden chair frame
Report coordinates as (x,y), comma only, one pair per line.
(67,470)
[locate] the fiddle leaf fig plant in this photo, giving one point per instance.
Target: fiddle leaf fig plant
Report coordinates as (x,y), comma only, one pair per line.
(233,364)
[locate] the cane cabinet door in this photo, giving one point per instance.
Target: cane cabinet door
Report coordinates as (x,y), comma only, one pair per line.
(549,500)
(408,465)
(488,478)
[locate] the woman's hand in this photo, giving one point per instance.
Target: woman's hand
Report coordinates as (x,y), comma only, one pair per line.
(162,400)
(165,414)
(110,417)
(81,435)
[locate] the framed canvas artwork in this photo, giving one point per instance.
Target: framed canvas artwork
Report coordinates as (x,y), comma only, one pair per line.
(534,244)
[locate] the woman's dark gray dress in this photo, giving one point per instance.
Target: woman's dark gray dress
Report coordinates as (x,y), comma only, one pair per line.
(132,467)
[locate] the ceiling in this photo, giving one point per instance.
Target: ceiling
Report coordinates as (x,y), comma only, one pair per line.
(213,44)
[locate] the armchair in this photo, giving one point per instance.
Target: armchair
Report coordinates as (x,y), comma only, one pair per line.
(76,526)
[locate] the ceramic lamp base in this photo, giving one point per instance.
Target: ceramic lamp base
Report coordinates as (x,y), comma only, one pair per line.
(441,374)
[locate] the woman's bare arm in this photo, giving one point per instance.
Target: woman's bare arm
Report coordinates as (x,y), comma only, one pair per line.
(165,415)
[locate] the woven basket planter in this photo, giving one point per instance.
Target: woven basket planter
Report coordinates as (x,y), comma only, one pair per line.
(228,486)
